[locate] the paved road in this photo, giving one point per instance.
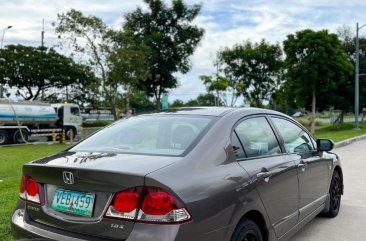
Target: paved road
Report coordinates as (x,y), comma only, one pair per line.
(350,224)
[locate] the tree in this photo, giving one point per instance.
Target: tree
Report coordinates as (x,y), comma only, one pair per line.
(204,100)
(343,98)
(90,41)
(35,70)
(220,84)
(282,99)
(140,102)
(128,64)
(217,84)
(207,100)
(316,65)
(257,67)
(116,58)
(177,103)
(168,33)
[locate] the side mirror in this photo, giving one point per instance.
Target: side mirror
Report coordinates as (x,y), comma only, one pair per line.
(324,144)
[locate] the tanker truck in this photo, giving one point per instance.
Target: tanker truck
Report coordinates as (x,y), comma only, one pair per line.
(20,120)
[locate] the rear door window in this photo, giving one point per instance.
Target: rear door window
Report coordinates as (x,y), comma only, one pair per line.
(257,137)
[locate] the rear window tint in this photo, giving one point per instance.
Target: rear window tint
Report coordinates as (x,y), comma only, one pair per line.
(160,135)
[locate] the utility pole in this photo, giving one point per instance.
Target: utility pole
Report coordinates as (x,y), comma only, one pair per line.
(42,33)
(2,39)
(67,94)
(1,47)
(42,45)
(217,99)
(357,78)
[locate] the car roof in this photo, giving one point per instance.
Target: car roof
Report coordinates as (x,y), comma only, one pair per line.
(218,111)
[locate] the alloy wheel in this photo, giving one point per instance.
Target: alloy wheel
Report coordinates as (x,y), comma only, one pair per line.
(250,236)
(336,193)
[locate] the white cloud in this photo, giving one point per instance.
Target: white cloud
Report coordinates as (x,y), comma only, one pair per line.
(226,23)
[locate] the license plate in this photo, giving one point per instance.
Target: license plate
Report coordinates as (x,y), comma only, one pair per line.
(77,203)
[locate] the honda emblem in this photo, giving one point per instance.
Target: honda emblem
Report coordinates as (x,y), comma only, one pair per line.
(68,177)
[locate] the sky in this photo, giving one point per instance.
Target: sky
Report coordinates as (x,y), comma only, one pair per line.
(226,22)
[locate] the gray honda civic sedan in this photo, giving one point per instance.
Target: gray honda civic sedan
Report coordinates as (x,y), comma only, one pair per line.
(200,174)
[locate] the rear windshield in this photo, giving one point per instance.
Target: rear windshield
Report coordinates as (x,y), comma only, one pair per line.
(159,135)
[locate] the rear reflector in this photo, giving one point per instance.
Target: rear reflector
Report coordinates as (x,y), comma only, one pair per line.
(29,189)
(148,204)
(23,184)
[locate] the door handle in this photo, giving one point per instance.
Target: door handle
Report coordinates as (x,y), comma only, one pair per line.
(263,175)
(302,165)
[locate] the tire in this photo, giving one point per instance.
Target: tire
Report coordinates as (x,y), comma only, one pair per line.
(247,230)
(17,136)
(335,194)
(4,137)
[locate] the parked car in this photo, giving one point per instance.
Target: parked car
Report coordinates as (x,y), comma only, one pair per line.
(299,114)
(96,118)
(218,174)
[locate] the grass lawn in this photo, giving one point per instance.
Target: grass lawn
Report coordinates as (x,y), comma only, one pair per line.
(345,132)
(11,161)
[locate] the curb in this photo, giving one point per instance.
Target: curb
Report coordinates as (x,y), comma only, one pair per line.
(349,141)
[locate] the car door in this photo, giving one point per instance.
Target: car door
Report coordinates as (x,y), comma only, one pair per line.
(313,170)
(273,173)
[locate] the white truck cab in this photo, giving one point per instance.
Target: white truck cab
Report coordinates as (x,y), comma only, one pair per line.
(69,117)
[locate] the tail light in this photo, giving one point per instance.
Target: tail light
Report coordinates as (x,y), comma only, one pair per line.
(29,189)
(124,205)
(148,204)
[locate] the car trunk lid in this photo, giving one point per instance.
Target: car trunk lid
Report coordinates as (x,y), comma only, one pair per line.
(99,175)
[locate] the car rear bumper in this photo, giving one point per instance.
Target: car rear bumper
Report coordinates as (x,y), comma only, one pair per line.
(25,229)
(22,230)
